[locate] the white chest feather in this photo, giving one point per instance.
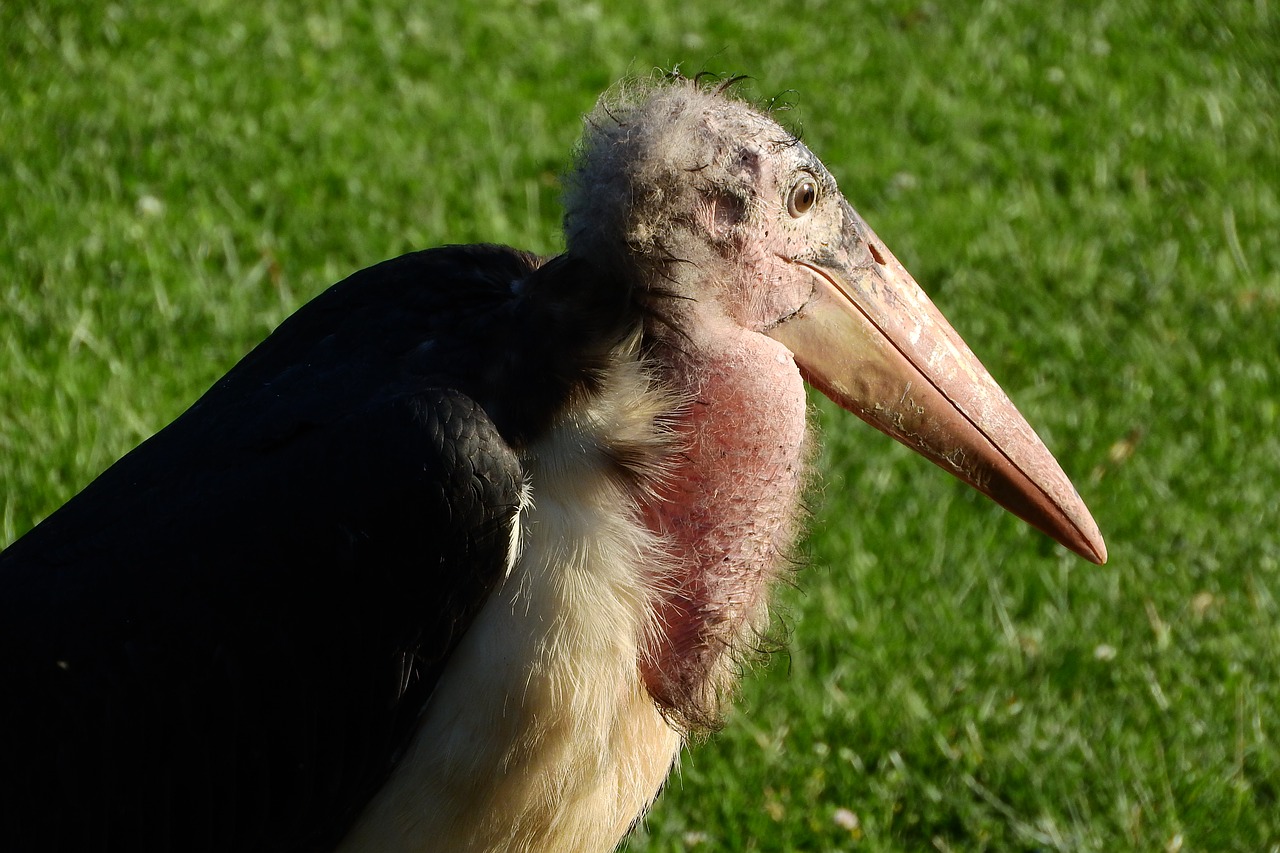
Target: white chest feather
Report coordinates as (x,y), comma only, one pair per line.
(541,735)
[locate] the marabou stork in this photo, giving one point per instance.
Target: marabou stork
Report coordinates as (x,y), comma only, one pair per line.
(458,557)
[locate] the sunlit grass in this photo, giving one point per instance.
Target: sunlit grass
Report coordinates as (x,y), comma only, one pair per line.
(1088,190)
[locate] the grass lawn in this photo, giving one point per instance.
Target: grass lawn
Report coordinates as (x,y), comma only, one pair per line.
(1090,192)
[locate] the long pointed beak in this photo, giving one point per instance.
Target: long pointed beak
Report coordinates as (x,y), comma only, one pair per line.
(872,341)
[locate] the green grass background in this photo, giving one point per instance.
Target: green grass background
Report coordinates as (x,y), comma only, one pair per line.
(1088,190)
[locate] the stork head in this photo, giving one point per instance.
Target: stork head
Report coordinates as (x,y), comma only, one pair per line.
(683,191)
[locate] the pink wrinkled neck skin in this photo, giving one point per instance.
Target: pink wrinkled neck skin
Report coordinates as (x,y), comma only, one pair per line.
(729,510)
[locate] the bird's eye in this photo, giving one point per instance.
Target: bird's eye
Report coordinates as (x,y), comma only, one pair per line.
(804,195)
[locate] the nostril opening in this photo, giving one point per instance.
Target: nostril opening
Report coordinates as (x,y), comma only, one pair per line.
(875,253)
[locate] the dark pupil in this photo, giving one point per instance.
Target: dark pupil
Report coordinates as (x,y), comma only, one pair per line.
(805,195)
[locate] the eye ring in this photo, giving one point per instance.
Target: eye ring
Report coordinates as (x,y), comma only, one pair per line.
(803,196)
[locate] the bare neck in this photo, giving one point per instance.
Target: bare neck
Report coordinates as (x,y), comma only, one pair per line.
(728,512)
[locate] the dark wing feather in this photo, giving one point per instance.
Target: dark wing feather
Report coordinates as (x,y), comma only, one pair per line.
(225,640)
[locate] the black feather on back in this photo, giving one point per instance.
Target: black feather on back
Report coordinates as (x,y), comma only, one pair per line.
(224,642)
